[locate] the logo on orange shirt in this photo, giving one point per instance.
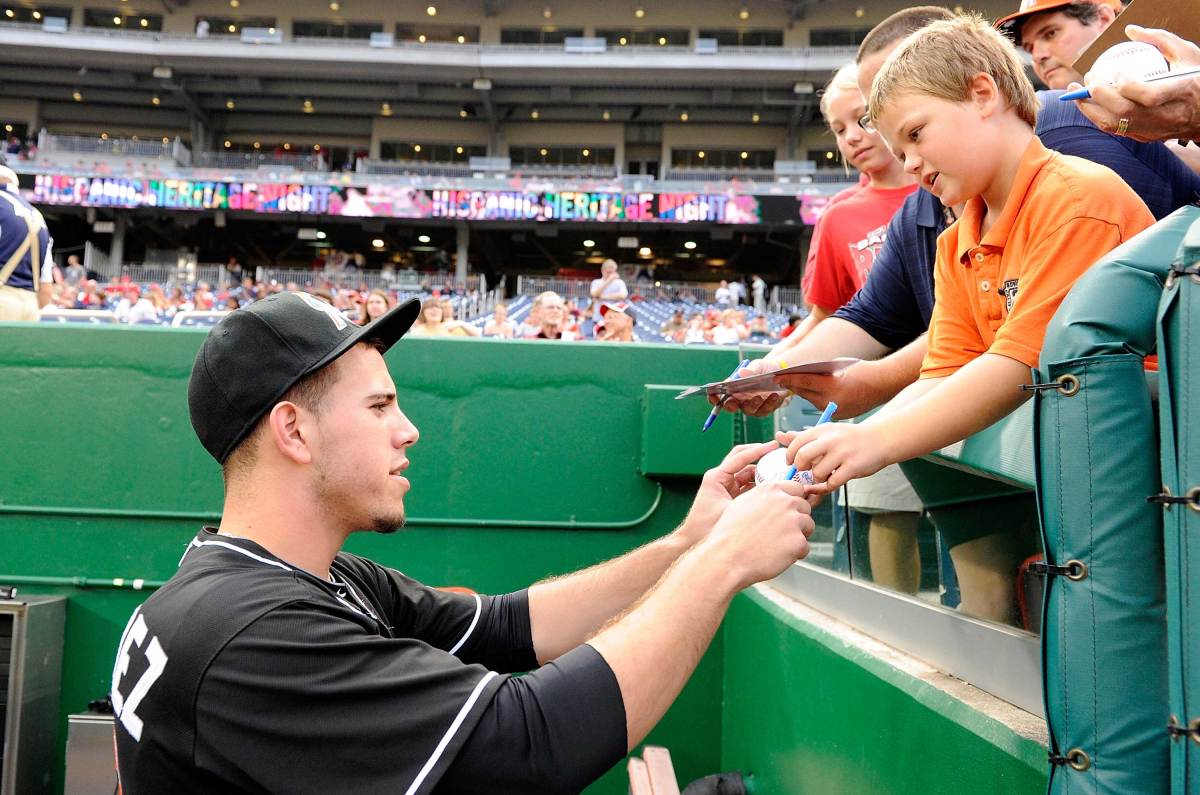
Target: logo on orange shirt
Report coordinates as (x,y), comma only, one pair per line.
(1010,294)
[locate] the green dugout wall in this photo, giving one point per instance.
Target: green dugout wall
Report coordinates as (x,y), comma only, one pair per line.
(534,459)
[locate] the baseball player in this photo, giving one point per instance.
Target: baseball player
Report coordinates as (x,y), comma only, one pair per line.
(273,662)
(26,264)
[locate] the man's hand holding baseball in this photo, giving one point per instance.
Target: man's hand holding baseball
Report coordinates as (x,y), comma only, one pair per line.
(731,478)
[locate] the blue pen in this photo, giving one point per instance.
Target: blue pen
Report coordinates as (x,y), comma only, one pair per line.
(1083,93)
(712,415)
(826,416)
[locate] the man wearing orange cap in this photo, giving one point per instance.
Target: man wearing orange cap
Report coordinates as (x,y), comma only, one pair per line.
(1055,32)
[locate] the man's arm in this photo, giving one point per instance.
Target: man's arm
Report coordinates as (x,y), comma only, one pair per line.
(564,611)
(864,386)
(930,417)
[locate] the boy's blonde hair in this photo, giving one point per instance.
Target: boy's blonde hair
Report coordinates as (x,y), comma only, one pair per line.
(843,79)
(941,59)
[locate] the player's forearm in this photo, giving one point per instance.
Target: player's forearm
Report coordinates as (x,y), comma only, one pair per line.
(832,338)
(45,292)
(976,396)
(565,611)
(654,648)
(815,316)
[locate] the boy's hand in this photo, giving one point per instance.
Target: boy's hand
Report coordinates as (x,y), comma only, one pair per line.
(835,453)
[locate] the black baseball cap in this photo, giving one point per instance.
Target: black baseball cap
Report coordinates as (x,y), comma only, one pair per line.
(256,354)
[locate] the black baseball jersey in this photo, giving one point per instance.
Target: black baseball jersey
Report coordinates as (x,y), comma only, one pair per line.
(244,674)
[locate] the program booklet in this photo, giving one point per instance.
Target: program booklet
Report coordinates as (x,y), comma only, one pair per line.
(765,382)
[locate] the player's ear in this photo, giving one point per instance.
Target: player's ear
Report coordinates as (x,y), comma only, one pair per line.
(290,432)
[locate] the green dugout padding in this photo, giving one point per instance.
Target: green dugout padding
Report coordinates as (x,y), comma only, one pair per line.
(1179,387)
(1104,626)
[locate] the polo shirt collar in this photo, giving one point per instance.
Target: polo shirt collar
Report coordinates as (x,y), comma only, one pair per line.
(1033,159)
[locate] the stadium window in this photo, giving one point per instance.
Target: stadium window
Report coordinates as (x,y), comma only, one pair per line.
(723,158)
(429,152)
(326,29)
(38,14)
(837,37)
(547,34)
(105,18)
(728,37)
(231,26)
(423,32)
(619,37)
(561,155)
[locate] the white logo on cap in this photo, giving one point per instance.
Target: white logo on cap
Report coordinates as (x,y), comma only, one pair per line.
(323,308)
(1028,4)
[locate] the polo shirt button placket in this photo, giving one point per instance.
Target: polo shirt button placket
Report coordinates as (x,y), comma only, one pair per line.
(979,256)
(985,285)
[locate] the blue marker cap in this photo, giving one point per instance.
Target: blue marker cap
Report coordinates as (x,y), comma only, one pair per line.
(826,415)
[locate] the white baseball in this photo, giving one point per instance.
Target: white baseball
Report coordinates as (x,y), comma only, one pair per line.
(1135,60)
(774,466)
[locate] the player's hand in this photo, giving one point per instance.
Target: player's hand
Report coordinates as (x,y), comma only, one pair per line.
(731,478)
(835,453)
(1157,111)
(755,404)
(854,389)
(763,531)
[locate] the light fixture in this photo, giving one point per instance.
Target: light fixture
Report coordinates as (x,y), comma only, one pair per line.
(287,147)
(690,245)
(543,152)
(700,154)
(421,38)
(335,6)
(8,12)
(37,14)
(622,41)
(154,100)
(116,20)
(271,31)
(422,238)
(385,109)
(308,106)
(662,40)
(258,144)
(377,242)
(462,39)
(606,115)
(166,140)
(744,13)
(229,104)
(458,150)
(829,155)
(228,143)
(316,147)
(431,11)
(589,243)
(234,3)
(745,155)
(76,95)
(587,152)
(463,113)
(639,12)
(859,12)
(547,13)
(8,128)
(683,116)
(134,138)
(232,28)
(145,23)
(533,114)
(755,118)
(321,234)
(103,136)
(416,147)
(644,251)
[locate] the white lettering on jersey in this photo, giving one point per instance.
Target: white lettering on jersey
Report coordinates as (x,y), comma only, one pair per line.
(125,708)
(324,308)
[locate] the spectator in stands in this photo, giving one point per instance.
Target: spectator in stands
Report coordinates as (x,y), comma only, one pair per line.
(499,325)
(675,327)
(13,147)
(609,287)
(456,328)
(233,269)
(232,304)
(89,296)
(65,296)
(723,295)
(738,288)
(553,316)
(793,323)
(695,333)
(376,306)
(429,323)
(730,331)
(178,302)
(617,322)
(135,308)
(75,272)
(760,329)
(758,292)
(202,28)
(532,323)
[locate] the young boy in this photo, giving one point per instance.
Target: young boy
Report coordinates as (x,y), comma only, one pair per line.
(955,106)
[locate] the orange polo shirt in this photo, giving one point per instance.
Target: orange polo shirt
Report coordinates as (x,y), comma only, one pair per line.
(997,294)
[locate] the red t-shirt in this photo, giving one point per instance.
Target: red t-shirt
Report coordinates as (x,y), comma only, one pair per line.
(846,240)
(840,196)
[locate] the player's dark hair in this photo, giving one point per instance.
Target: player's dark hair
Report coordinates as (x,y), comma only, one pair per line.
(1083,12)
(899,25)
